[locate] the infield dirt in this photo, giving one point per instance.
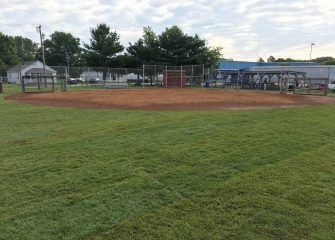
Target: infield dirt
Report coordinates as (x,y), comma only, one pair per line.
(170,99)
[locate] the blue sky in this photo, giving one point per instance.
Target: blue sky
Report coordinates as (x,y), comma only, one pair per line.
(246,29)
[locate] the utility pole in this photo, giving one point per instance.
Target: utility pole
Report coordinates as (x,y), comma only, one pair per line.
(310,56)
(39,29)
(68,70)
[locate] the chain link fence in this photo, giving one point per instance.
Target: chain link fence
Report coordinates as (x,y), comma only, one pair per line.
(300,80)
(82,78)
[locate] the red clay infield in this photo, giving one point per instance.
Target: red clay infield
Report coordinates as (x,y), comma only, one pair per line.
(170,99)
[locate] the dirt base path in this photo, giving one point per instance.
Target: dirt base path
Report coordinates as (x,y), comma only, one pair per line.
(170,99)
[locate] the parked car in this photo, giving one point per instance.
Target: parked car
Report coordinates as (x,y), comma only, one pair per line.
(95,80)
(331,87)
(315,86)
(72,81)
(81,80)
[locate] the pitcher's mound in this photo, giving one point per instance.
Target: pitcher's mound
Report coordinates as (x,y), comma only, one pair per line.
(170,99)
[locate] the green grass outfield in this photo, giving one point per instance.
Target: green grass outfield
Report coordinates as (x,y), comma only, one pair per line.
(106,174)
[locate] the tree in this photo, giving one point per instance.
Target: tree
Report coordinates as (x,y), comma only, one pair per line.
(125,61)
(325,60)
(59,46)
(8,53)
(104,45)
(26,49)
(260,60)
(280,60)
(15,50)
(146,49)
(177,48)
(173,47)
(271,59)
(210,56)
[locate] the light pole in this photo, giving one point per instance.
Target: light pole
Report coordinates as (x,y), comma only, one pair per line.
(39,30)
(310,55)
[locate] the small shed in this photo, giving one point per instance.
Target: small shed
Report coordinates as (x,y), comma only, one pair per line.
(32,68)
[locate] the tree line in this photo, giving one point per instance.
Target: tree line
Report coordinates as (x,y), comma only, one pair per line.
(320,60)
(171,47)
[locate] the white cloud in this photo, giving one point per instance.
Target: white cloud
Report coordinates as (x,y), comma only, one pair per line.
(246,29)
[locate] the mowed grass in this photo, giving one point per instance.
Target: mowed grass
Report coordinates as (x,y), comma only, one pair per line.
(106,174)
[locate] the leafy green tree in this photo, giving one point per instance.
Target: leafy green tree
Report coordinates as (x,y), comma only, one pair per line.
(15,50)
(3,68)
(260,60)
(280,60)
(271,59)
(325,60)
(124,61)
(8,53)
(26,49)
(173,47)
(104,46)
(177,48)
(59,46)
(210,56)
(146,49)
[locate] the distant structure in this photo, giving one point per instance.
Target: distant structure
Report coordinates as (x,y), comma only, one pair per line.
(89,75)
(241,71)
(33,69)
(228,64)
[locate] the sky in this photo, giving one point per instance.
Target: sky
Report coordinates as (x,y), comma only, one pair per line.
(246,29)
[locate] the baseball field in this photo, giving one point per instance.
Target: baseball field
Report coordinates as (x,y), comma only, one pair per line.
(153,164)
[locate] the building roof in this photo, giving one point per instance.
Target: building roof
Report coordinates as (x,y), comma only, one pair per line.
(39,70)
(19,67)
(226,64)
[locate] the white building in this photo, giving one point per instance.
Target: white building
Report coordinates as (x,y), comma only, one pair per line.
(30,71)
(92,75)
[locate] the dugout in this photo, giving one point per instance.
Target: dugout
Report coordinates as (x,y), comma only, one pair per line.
(174,78)
(38,82)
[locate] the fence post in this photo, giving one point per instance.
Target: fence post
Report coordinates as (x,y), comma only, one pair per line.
(192,75)
(181,76)
(156,79)
(207,77)
(238,77)
(281,81)
(66,78)
(38,82)
(87,76)
(143,76)
(327,82)
(166,76)
(203,73)
(53,82)
(21,79)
